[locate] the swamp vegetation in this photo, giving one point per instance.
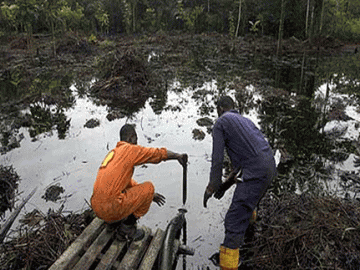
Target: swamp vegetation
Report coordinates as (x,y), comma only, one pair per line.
(125,79)
(125,55)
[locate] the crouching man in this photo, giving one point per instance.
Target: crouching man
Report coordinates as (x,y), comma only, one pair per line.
(117,198)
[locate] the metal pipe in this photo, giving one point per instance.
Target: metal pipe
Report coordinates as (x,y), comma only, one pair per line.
(185,180)
(170,247)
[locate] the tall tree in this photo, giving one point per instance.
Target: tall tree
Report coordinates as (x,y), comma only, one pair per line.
(281,27)
(239,18)
(130,15)
(322,16)
(307,18)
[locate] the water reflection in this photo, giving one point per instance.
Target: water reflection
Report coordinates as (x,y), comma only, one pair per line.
(292,127)
(294,116)
(37,103)
(42,118)
(11,81)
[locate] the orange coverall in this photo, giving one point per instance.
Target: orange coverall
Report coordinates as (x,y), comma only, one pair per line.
(116,195)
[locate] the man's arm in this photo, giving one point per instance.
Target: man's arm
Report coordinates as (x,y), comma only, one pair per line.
(155,155)
(216,163)
(182,158)
(217,159)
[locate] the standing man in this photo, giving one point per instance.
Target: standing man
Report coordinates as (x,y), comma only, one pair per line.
(250,152)
(117,198)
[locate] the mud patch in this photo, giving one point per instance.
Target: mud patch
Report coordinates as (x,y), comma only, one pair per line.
(205,122)
(53,193)
(92,123)
(125,81)
(114,114)
(198,134)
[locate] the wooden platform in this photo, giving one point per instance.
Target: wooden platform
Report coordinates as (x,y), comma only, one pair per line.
(98,249)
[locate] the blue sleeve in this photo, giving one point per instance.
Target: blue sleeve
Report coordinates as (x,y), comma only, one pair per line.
(217,157)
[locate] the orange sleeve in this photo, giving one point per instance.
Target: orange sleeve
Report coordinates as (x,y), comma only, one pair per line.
(149,155)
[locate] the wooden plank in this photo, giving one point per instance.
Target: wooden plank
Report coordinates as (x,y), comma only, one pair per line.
(134,254)
(153,250)
(94,250)
(110,256)
(72,253)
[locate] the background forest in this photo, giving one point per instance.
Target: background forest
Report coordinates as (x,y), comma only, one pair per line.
(301,18)
(146,61)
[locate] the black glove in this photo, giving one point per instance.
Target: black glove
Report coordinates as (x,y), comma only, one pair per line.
(159,199)
(183,159)
(219,193)
(207,196)
(223,188)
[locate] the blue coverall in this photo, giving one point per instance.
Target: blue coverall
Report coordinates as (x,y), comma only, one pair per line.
(249,150)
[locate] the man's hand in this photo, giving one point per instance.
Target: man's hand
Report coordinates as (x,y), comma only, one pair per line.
(230,180)
(224,187)
(219,193)
(208,193)
(183,159)
(159,199)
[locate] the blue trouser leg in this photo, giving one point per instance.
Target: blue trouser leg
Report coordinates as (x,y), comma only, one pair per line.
(247,195)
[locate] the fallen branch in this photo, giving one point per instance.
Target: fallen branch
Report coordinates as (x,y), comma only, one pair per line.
(4,230)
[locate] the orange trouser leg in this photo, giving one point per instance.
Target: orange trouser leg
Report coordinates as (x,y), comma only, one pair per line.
(229,258)
(137,200)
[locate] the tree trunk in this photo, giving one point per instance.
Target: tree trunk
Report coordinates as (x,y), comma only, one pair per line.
(322,15)
(311,24)
(302,74)
(327,93)
(318,15)
(239,18)
(307,19)
(133,16)
(53,36)
(281,28)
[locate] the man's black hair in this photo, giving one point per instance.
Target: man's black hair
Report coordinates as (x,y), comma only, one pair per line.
(225,102)
(126,131)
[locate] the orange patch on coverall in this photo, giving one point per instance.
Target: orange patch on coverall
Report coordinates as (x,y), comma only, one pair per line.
(116,195)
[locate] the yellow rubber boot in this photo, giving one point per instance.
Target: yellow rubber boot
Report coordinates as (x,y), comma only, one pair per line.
(229,258)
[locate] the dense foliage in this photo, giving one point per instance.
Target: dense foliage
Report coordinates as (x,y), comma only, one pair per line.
(302,19)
